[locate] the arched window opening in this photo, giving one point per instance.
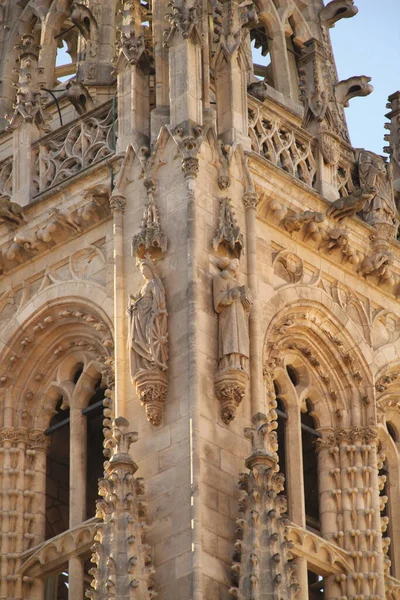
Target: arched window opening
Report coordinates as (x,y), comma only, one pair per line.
(315,586)
(294,54)
(281,434)
(309,435)
(94,447)
(57,473)
(261,53)
(65,67)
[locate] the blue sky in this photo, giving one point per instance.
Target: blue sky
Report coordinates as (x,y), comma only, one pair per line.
(369,44)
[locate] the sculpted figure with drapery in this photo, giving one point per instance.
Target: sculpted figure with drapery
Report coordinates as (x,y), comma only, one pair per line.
(232,302)
(148,341)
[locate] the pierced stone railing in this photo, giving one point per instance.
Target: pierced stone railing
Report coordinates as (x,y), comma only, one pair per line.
(74,147)
(6,169)
(282,143)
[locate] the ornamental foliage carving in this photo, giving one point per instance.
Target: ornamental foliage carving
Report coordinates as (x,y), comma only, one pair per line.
(228,235)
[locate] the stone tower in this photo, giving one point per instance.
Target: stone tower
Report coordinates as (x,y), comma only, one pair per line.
(194,258)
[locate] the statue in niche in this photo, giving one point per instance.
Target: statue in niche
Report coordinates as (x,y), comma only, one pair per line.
(148,336)
(232,302)
(376,173)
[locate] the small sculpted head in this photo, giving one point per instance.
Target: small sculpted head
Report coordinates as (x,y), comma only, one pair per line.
(146,269)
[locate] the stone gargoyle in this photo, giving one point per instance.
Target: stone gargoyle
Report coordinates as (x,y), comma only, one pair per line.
(11,212)
(350,205)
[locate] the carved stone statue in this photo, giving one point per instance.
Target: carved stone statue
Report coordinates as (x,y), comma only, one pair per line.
(148,323)
(232,302)
(376,173)
(352,204)
(11,212)
(148,342)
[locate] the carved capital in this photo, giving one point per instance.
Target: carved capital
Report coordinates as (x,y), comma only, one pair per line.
(250,200)
(117,203)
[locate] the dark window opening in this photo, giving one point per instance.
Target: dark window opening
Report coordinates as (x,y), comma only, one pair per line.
(78,372)
(260,49)
(309,435)
(56,585)
(281,434)
(315,586)
(57,473)
(94,453)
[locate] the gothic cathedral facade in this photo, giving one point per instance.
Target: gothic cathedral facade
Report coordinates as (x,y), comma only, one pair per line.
(199,318)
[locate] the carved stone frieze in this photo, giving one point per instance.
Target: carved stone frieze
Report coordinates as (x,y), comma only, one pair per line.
(148,342)
(123,564)
(228,235)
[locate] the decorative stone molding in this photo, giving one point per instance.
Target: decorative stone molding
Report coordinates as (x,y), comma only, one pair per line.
(262,560)
(232,302)
(123,564)
(228,236)
(148,342)
(59,228)
(29,105)
(150,240)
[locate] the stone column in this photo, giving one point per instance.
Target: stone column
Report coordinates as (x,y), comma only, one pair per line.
(76,585)
(77,467)
(258,404)
(117,203)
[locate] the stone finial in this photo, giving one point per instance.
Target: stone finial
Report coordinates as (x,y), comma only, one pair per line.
(263,566)
(123,566)
(150,240)
(228,233)
(28,106)
(182,18)
(393,137)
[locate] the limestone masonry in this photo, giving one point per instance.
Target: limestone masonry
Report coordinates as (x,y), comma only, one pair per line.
(199,284)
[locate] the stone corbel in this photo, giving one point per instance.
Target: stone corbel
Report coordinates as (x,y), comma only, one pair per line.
(351,88)
(228,238)
(11,213)
(336,10)
(347,206)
